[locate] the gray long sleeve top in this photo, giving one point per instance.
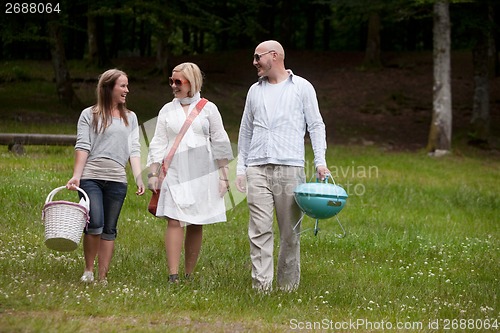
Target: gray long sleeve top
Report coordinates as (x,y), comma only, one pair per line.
(118,142)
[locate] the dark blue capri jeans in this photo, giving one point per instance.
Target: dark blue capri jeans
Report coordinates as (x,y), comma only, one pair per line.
(106,201)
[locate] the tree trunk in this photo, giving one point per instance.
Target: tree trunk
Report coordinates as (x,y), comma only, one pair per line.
(186,38)
(116,37)
(286,18)
(64,85)
(327,32)
(163,48)
(495,15)
(162,56)
(93,55)
(267,16)
(372,53)
(440,130)
(493,69)
(97,44)
(480,121)
(310,36)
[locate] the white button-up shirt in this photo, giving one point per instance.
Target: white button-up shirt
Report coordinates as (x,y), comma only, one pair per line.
(277,136)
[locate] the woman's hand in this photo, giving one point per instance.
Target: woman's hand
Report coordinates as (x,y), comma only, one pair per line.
(140,188)
(73,183)
(153,184)
(223,187)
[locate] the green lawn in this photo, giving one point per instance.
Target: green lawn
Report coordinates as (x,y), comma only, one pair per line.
(422,245)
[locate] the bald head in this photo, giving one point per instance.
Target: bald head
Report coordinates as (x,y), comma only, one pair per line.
(271,45)
(269,59)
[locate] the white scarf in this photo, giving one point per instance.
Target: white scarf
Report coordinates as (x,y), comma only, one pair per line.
(189,100)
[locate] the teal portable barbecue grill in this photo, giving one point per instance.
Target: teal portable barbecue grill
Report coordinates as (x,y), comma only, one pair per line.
(320,200)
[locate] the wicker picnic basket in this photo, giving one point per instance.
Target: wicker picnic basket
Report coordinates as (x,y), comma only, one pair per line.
(64,221)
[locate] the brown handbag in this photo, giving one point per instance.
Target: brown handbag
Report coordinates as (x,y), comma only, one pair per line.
(153,203)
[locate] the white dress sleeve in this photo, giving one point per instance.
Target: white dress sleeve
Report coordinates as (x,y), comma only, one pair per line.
(219,140)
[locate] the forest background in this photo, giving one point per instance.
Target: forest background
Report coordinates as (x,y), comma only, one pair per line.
(392,39)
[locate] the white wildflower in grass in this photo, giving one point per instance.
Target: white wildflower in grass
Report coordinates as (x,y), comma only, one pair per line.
(486,309)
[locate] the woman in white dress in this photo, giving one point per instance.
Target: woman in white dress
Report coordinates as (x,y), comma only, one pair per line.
(192,193)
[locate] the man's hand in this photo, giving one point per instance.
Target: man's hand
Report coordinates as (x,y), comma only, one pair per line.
(241,183)
(322,172)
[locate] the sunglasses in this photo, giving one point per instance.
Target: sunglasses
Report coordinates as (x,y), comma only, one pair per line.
(257,57)
(177,82)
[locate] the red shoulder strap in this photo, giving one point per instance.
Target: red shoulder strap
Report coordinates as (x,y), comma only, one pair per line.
(189,120)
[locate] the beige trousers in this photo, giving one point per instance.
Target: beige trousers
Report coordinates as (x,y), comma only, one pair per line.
(270,189)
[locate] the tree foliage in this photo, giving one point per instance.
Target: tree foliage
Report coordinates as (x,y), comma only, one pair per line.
(196,26)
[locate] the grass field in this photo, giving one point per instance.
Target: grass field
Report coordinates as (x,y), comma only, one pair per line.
(422,245)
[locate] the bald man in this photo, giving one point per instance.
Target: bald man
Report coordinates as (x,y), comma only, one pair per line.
(279,108)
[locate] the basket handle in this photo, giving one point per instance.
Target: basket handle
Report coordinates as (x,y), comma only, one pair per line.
(57,189)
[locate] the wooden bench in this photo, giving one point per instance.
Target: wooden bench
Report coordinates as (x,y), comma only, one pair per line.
(16,141)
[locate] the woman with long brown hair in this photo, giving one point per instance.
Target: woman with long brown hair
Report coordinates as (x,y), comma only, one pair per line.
(107,138)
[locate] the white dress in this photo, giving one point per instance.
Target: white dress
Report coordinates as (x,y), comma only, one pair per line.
(190,191)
